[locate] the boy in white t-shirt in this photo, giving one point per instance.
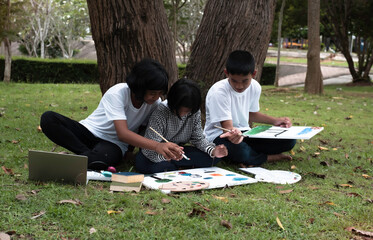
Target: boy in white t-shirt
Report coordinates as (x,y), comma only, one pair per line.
(104,135)
(232,103)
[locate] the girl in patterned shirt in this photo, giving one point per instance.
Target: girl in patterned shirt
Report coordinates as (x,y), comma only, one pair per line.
(178,119)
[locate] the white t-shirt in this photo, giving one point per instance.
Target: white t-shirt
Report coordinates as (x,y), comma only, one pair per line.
(116,104)
(224,103)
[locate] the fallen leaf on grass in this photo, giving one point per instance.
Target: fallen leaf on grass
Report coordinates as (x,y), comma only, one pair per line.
(313,187)
(311,220)
(224,199)
(360,232)
(113,212)
(316,175)
(369,200)
(226,224)
(151,213)
(8,171)
(286,191)
(4,236)
(279,223)
(337,214)
(205,208)
(315,154)
(92,230)
(198,213)
(301,148)
(15,141)
(292,152)
(349,117)
(346,155)
(323,148)
(75,202)
(353,194)
(328,203)
(21,197)
(293,167)
(366,176)
(39,214)
(165,200)
(345,185)
(325,163)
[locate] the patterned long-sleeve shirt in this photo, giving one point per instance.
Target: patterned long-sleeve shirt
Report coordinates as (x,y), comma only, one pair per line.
(188,129)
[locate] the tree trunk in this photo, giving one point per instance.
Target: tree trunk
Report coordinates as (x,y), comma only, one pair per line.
(227,26)
(8,60)
(314,81)
(126,31)
(279,42)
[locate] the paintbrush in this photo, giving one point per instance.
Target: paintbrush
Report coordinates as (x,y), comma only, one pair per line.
(227,130)
(164,139)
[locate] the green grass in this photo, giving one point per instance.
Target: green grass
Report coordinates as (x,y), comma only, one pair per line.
(251,209)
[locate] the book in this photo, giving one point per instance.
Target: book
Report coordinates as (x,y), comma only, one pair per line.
(127,177)
(125,187)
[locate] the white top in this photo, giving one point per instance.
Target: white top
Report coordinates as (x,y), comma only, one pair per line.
(116,104)
(224,103)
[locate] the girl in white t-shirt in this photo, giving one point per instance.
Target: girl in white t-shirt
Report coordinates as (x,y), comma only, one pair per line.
(104,135)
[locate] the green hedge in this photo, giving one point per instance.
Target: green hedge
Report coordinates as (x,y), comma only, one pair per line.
(33,70)
(30,70)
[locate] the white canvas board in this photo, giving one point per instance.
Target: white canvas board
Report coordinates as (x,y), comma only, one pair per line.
(215,176)
(273,176)
(273,132)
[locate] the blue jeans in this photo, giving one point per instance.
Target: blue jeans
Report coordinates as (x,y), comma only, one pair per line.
(198,159)
(254,151)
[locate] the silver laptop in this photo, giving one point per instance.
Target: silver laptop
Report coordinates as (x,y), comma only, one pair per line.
(50,166)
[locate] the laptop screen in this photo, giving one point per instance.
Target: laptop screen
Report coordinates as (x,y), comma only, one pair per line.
(50,166)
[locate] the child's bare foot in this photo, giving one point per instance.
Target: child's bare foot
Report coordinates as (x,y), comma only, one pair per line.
(278,157)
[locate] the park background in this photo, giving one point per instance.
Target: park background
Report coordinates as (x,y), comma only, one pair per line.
(334,198)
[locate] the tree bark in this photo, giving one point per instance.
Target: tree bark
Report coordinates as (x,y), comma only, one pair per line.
(279,42)
(227,26)
(126,31)
(8,60)
(314,81)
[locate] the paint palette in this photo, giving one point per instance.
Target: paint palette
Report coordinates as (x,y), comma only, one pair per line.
(273,176)
(184,186)
(215,177)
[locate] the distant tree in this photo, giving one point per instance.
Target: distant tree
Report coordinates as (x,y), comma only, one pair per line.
(188,18)
(352,17)
(314,82)
(11,21)
(125,31)
(227,26)
(69,24)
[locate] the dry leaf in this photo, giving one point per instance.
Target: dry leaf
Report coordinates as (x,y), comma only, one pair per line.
(165,200)
(366,176)
(328,203)
(353,194)
(293,167)
(113,212)
(151,213)
(292,152)
(325,163)
(323,148)
(7,170)
(279,223)
(75,202)
(21,197)
(196,212)
(360,232)
(334,149)
(15,141)
(286,191)
(311,220)
(224,199)
(39,214)
(345,185)
(337,214)
(303,149)
(205,208)
(346,155)
(226,224)
(4,236)
(92,230)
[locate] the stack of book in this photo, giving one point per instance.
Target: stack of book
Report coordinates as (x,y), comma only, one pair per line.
(126,182)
